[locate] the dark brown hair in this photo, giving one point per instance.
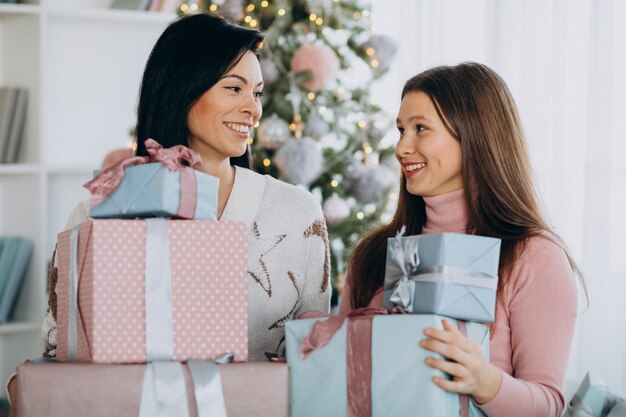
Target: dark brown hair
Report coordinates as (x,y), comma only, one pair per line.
(477,108)
(189,58)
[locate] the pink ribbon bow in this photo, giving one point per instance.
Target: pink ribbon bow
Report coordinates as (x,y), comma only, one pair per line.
(172,158)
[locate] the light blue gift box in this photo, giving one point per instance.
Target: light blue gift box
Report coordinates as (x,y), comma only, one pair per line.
(592,394)
(150,190)
(456,274)
(401,382)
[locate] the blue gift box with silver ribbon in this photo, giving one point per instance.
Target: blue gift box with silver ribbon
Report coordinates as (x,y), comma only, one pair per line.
(450,274)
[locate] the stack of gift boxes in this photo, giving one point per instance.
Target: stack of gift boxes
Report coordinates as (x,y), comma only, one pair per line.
(370,363)
(151,296)
(147,307)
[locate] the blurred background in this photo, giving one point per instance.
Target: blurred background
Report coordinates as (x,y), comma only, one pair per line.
(334,70)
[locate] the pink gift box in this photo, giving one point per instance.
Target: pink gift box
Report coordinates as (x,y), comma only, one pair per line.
(208,289)
(71,389)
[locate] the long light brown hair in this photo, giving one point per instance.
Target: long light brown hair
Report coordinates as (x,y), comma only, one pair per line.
(477,109)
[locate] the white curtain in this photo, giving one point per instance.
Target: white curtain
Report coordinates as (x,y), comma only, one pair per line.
(565,63)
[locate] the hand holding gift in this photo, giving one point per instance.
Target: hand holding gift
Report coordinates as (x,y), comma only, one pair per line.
(471,372)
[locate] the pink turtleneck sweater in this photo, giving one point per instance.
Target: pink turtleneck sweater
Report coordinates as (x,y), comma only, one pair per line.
(534,323)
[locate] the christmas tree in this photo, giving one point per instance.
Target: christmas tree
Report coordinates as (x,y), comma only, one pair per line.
(320,129)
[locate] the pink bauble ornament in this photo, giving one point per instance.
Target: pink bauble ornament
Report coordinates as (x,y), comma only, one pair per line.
(320,60)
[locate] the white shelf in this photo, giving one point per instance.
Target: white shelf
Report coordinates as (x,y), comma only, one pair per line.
(19,9)
(71,170)
(19,169)
(112,15)
(19,327)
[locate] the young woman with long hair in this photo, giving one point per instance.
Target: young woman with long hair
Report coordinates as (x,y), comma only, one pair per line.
(465,169)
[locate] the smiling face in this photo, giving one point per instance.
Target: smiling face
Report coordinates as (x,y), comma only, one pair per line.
(429,155)
(221,120)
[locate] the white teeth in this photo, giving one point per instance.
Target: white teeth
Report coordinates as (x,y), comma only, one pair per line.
(238,127)
(410,168)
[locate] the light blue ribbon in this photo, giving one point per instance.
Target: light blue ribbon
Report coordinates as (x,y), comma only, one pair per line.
(164,393)
(207,385)
(72,319)
(158,292)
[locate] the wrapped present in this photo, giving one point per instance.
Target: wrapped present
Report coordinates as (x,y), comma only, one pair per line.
(69,389)
(370,365)
(131,291)
(593,399)
(450,274)
(159,185)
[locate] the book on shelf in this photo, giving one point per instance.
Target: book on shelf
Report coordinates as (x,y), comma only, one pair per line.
(130,4)
(8,97)
(17,127)
(155,5)
(15,255)
(13,104)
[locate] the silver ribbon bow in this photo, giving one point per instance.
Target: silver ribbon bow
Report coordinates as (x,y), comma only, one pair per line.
(404,255)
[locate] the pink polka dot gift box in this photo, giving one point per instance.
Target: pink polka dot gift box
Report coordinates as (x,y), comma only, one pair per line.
(135,291)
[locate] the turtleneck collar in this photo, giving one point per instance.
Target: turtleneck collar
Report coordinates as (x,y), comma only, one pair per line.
(446,213)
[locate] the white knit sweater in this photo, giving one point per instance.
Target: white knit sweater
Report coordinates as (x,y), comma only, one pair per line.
(288,258)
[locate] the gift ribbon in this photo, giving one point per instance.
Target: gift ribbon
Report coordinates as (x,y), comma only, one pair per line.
(72,310)
(358,353)
(106,182)
(164,393)
(463,398)
(158,292)
(207,385)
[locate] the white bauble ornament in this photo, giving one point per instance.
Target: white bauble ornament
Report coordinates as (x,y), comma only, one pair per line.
(233,10)
(336,209)
(384,49)
(273,132)
(315,127)
(299,161)
(269,70)
(369,183)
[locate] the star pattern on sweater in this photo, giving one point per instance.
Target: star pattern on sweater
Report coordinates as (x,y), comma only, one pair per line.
(290,315)
(318,229)
(260,246)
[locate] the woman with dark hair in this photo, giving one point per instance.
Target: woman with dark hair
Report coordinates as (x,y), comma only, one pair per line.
(202,88)
(465,169)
